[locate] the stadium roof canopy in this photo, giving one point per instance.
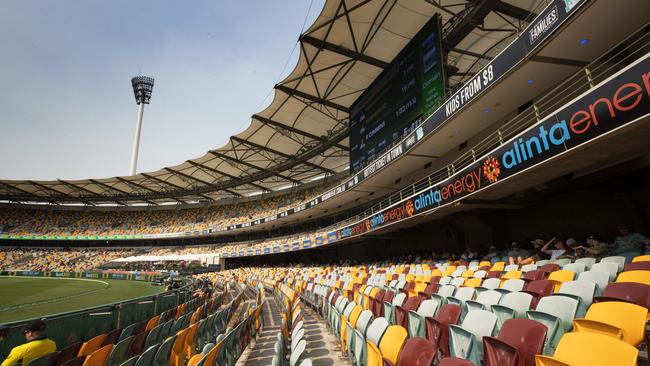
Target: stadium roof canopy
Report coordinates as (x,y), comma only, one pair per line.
(303,133)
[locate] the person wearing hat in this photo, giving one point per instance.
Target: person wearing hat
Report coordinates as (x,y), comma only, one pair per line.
(627,241)
(37,345)
(594,248)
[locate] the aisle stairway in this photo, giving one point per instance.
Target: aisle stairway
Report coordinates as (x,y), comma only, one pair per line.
(321,345)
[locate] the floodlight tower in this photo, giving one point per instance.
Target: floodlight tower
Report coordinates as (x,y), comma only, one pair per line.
(142,88)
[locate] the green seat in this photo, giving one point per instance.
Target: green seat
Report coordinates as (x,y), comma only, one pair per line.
(153,336)
(128,331)
(201,335)
(164,352)
(146,359)
(131,361)
(165,331)
(119,352)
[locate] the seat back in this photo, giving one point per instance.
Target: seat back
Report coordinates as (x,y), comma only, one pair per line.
(636,293)
(437,329)
(562,307)
(609,267)
(634,276)
(638,266)
(590,349)
(44,360)
(99,357)
(599,278)
(417,352)
(539,289)
(146,359)
(455,361)
(585,290)
(446,291)
(533,275)
(491,283)
(629,318)
(560,277)
(296,354)
(120,352)
(392,342)
(67,354)
(518,342)
(513,285)
(376,330)
(619,260)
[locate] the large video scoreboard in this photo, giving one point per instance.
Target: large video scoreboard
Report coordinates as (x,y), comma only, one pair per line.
(411,88)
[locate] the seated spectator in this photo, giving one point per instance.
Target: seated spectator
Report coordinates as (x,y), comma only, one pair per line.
(37,345)
(537,254)
(491,253)
(517,254)
(468,254)
(628,241)
(594,248)
(561,249)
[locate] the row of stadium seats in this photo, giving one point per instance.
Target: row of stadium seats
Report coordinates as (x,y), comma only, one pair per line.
(292,332)
(170,338)
(549,315)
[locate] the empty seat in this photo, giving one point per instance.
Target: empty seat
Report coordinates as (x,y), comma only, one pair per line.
(561,276)
(98,357)
(557,314)
(437,328)
(539,289)
(466,341)
(609,267)
(416,323)
(590,349)
(357,343)
(533,275)
(641,258)
(389,347)
(417,352)
(619,260)
(528,267)
(634,276)
(454,361)
(588,262)
(583,290)
(489,284)
(621,320)
(402,311)
(638,266)
(636,293)
(575,267)
(512,285)
(511,305)
(517,343)
(389,307)
(44,360)
(484,300)
(599,278)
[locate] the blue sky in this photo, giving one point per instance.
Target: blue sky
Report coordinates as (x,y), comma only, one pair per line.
(67,108)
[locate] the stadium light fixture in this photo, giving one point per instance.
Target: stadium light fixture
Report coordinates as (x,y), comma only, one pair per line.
(584,41)
(142,89)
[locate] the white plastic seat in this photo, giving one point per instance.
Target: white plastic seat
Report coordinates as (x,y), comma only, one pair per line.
(557,314)
(583,290)
(528,268)
(466,340)
(511,267)
(296,354)
(512,285)
(484,300)
(600,278)
(357,336)
(575,267)
(588,262)
(619,260)
(416,324)
(511,305)
(610,267)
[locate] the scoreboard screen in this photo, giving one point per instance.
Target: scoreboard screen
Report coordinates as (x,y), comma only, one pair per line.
(408,90)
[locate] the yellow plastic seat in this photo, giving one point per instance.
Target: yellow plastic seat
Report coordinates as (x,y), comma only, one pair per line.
(190,340)
(634,276)
(590,349)
(195,360)
(473,282)
(641,258)
(561,276)
(419,287)
(435,272)
(484,264)
(178,349)
(391,343)
(498,266)
(467,274)
(354,316)
(152,322)
(98,357)
(91,345)
(621,320)
(449,271)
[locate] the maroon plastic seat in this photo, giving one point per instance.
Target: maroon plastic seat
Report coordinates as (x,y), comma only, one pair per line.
(437,328)
(137,344)
(539,289)
(401,312)
(637,266)
(518,342)
(410,285)
(494,274)
(431,289)
(636,293)
(140,327)
(533,276)
(379,299)
(379,305)
(453,361)
(112,337)
(68,353)
(417,352)
(435,280)
(484,268)
(548,268)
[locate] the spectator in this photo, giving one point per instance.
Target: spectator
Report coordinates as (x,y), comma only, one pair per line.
(37,345)
(628,241)
(468,254)
(561,249)
(537,253)
(492,253)
(517,254)
(594,248)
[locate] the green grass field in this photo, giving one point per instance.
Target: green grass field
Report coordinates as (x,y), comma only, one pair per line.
(27,297)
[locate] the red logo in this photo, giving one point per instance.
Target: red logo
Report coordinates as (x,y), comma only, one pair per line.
(409,208)
(491,169)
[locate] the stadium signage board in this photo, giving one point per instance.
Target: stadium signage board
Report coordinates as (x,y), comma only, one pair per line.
(412,86)
(622,99)
(545,24)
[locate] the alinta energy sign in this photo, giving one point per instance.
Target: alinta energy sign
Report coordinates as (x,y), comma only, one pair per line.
(614,103)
